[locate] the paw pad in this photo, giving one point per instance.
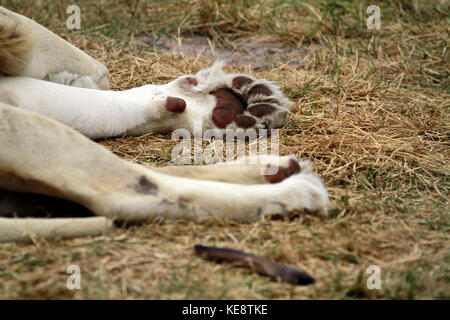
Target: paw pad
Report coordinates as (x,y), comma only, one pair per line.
(260,110)
(259,89)
(239,82)
(228,107)
(175,105)
(249,103)
(244,121)
(191,81)
(278,174)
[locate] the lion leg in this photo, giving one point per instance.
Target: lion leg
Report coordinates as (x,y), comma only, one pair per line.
(12,230)
(259,169)
(31,50)
(94,113)
(42,156)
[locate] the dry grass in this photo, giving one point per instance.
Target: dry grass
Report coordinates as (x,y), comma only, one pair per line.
(372,112)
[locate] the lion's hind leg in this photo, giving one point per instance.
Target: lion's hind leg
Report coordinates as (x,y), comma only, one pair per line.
(42,156)
(32,228)
(261,169)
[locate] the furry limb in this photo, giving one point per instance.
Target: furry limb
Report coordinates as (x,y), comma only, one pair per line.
(15,45)
(30,228)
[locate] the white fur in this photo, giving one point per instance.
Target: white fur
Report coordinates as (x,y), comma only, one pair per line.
(99,113)
(60,161)
(51,54)
(95,113)
(44,156)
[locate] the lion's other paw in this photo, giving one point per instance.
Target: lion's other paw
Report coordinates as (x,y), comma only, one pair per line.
(250,103)
(238,100)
